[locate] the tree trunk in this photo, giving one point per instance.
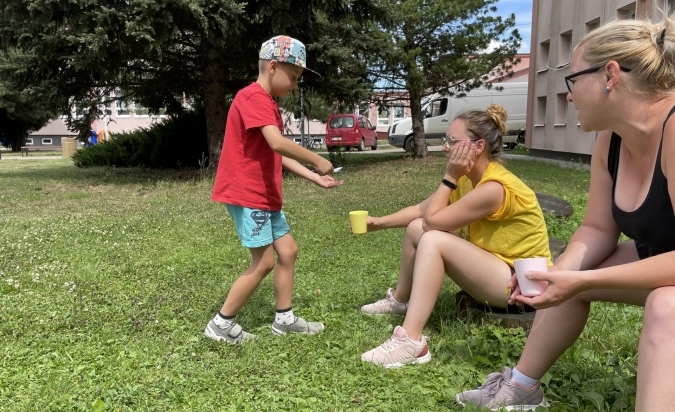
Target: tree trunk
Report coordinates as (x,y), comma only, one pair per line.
(18,140)
(420,145)
(215,101)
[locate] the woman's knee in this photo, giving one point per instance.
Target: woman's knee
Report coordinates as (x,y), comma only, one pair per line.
(658,326)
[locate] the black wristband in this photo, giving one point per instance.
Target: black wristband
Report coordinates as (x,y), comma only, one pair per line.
(449,184)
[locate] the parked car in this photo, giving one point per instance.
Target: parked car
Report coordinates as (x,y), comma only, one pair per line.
(440,109)
(350,130)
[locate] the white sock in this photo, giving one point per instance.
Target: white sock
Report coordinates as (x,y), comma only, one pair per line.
(285,318)
(221,322)
(522,380)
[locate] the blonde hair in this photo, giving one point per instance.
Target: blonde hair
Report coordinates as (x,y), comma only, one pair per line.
(489,125)
(647,48)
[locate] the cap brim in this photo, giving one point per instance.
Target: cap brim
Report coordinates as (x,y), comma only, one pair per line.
(310,70)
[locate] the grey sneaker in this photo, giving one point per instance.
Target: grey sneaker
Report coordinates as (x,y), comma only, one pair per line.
(233,334)
(386,306)
(399,350)
(498,392)
(299,326)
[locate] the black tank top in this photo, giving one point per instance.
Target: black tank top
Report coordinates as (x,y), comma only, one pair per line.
(652,224)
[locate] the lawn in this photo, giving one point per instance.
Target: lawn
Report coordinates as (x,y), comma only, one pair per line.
(108,277)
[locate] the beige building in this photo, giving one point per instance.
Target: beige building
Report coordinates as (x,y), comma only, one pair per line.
(557,26)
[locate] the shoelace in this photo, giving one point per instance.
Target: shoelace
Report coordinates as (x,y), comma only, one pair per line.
(493,383)
(391,343)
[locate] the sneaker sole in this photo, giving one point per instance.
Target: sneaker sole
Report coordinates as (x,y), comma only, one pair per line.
(382,313)
(519,408)
(417,361)
(209,333)
(280,332)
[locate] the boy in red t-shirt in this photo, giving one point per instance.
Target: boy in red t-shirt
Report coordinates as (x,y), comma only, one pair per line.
(248,181)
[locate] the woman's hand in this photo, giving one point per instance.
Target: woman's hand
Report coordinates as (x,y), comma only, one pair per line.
(562,285)
(460,159)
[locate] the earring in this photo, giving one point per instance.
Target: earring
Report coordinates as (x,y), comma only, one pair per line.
(606,91)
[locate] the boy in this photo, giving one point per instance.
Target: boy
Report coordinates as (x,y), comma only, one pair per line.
(248,181)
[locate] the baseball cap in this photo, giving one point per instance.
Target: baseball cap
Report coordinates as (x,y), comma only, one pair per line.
(285,49)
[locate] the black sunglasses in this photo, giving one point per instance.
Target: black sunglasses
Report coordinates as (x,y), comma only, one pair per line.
(569,82)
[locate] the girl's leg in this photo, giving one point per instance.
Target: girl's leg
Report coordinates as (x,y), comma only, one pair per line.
(656,358)
(556,329)
(411,237)
(478,272)
(262,263)
(287,253)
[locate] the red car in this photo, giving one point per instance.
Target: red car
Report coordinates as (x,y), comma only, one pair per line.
(350,130)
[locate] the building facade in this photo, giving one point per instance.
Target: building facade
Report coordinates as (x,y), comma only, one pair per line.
(557,26)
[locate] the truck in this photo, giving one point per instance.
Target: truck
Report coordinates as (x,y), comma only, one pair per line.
(439,110)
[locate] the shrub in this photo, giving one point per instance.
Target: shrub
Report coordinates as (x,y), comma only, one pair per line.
(174,143)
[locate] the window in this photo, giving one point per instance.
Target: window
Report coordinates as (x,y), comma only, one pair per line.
(669,6)
(383,116)
(399,113)
(140,110)
(592,25)
(121,108)
(47,141)
(540,111)
(29,141)
(364,110)
(105,109)
(560,109)
(565,48)
(437,108)
(626,12)
(542,56)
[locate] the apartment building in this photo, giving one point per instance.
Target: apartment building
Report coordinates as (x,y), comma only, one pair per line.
(557,26)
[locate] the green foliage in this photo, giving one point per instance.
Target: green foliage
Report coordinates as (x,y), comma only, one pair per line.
(159,53)
(176,142)
(109,275)
(20,112)
(441,46)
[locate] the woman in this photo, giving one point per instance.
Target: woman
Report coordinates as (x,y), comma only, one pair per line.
(622,83)
(504,223)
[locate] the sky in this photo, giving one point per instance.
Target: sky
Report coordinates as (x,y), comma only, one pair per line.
(523,11)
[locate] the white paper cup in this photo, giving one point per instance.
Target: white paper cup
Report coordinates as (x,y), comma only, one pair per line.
(529,287)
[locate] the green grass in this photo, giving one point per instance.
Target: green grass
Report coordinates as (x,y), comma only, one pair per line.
(108,277)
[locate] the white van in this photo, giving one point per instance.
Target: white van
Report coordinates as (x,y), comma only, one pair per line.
(439,111)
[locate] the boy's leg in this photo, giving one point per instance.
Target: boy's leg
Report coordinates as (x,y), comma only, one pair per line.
(284,273)
(262,263)
(255,232)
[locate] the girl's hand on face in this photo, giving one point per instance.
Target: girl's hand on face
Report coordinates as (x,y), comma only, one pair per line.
(461,159)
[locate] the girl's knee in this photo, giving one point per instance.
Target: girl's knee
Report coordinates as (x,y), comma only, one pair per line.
(435,239)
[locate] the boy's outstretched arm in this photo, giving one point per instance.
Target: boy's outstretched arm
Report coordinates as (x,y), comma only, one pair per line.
(300,170)
(287,148)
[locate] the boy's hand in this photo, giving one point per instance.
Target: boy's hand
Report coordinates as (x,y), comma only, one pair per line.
(327,182)
(324,167)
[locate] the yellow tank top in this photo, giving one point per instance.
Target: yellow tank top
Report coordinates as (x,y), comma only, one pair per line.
(517,229)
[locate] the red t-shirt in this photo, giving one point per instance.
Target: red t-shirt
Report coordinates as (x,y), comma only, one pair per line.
(249,171)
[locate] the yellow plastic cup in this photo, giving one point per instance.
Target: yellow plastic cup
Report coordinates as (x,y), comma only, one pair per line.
(357,219)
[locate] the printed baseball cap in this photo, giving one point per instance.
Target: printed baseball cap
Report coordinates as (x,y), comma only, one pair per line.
(285,49)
